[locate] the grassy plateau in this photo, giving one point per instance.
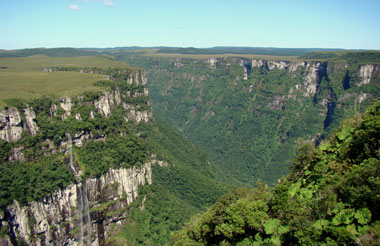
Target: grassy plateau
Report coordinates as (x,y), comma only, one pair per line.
(23,78)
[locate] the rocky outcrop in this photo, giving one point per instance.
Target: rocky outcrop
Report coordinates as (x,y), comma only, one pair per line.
(80,138)
(30,118)
(247,65)
(278,65)
(294,66)
(133,114)
(270,65)
(138,77)
(66,104)
(311,78)
(212,62)
(177,62)
(61,218)
(105,103)
(11,126)
(312,72)
(17,154)
(365,72)
(362,97)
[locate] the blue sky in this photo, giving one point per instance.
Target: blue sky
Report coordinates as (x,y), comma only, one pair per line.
(350,24)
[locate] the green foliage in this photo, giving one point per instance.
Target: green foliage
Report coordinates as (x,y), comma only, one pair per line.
(178,191)
(331,197)
(319,55)
(346,56)
(31,181)
(5,151)
(96,157)
(3,231)
(104,83)
(163,213)
(362,57)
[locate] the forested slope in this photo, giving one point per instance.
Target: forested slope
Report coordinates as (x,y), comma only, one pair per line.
(249,114)
(330,197)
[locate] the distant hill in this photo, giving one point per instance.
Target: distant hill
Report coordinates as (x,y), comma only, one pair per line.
(303,53)
(56,52)
(243,50)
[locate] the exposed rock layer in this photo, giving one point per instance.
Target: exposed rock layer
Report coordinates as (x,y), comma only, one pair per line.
(56,219)
(12,124)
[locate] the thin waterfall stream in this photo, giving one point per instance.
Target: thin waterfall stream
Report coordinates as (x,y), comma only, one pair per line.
(70,147)
(51,115)
(85,224)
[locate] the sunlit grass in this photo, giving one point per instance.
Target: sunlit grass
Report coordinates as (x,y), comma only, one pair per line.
(24,78)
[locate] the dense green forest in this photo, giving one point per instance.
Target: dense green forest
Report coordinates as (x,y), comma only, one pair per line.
(330,197)
(346,56)
(250,128)
(186,187)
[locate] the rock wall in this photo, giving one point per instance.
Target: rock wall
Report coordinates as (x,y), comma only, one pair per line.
(138,77)
(82,213)
(312,72)
(13,122)
(12,125)
(58,218)
(366,73)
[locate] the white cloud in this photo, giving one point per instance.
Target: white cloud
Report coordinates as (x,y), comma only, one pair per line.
(108,3)
(74,7)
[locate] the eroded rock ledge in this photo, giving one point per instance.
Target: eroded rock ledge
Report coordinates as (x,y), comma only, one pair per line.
(59,218)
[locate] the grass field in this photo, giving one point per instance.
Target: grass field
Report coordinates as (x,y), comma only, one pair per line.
(153,52)
(23,78)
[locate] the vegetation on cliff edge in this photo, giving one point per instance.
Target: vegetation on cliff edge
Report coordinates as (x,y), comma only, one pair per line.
(330,197)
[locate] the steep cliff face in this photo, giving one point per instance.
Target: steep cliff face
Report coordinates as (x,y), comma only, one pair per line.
(11,126)
(14,122)
(366,72)
(80,214)
(313,74)
(83,212)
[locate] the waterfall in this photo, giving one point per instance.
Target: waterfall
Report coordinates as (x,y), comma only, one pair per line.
(51,116)
(85,225)
(70,148)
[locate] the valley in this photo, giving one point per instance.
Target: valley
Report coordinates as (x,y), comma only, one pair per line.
(73,168)
(123,147)
(249,114)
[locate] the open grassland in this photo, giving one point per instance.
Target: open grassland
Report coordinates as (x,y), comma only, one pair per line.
(153,52)
(41,61)
(23,78)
